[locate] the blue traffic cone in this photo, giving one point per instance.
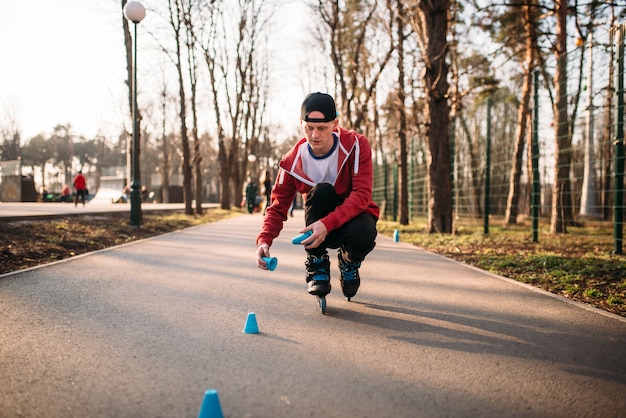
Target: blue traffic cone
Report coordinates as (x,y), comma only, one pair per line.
(396,236)
(251,326)
(211,405)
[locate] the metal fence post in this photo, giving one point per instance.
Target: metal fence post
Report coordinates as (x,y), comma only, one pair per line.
(453,166)
(395,191)
(487,169)
(534,147)
(618,208)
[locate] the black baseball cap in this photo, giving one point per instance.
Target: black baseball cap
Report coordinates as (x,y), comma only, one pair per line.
(320,102)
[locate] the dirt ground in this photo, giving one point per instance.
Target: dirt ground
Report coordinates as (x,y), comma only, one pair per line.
(31,242)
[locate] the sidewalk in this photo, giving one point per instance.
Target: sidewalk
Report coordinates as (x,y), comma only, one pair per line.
(142,330)
(20,210)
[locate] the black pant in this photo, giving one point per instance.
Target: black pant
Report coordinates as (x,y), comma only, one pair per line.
(356,238)
(81,193)
(250,204)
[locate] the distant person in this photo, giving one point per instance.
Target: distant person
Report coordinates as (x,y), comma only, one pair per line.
(293,206)
(125,196)
(267,189)
(65,193)
(251,193)
(80,186)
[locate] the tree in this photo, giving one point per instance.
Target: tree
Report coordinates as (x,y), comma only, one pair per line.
(606,155)
(586,22)
(401,110)
(561,193)
(211,53)
(62,147)
(35,153)
(176,19)
(10,136)
(128,48)
(350,31)
(192,68)
(239,85)
(86,152)
(11,148)
(528,27)
(165,149)
(473,85)
(105,156)
(429,19)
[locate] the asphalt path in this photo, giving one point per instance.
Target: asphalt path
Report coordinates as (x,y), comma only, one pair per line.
(10,210)
(144,329)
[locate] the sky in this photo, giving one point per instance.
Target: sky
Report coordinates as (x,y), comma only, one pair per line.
(63,62)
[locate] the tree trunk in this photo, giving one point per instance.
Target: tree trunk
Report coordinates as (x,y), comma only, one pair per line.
(193,83)
(224,175)
(434,17)
(176,21)
(474,173)
(606,148)
(561,196)
(128,47)
(523,113)
(588,201)
(402,128)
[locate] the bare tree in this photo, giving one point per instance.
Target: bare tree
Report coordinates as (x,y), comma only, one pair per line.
(429,19)
(212,57)
(176,21)
(606,154)
(10,136)
(238,79)
(350,33)
(401,109)
(128,47)
(529,29)
(165,149)
(62,146)
(561,193)
(192,68)
(36,153)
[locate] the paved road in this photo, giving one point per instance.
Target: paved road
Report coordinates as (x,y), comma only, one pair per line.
(29,210)
(142,330)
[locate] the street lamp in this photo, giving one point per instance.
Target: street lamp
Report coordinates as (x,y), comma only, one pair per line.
(135,12)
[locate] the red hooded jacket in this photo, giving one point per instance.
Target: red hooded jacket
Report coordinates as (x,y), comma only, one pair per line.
(353,185)
(79,182)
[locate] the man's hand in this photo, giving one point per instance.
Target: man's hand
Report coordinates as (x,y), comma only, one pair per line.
(317,238)
(263,250)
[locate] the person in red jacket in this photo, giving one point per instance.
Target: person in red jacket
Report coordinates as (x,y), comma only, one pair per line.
(80,186)
(332,168)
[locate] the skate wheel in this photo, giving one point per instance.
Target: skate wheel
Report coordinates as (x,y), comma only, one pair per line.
(322,303)
(348,298)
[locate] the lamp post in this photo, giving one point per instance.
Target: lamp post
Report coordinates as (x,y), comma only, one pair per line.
(135,12)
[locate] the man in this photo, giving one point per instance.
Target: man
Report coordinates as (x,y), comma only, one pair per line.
(79,186)
(332,168)
(251,194)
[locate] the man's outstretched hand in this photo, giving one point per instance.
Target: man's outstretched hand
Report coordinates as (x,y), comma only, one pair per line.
(263,250)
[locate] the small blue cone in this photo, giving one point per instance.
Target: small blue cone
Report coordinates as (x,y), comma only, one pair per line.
(251,326)
(211,405)
(272,263)
(396,236)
